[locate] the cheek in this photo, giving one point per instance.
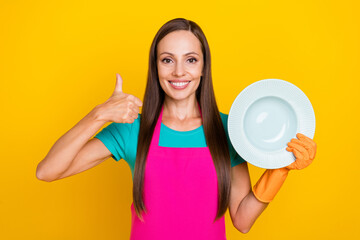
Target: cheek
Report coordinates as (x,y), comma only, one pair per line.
(196,72)
(163,72)
(197,84)
(162,85)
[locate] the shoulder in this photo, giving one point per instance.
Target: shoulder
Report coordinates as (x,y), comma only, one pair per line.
(223,115)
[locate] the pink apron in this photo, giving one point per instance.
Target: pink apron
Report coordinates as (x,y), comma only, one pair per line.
(180,194)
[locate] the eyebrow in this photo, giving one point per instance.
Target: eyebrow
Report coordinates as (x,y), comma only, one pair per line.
(184,54)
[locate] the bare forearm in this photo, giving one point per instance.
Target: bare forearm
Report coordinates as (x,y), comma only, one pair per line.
(68,146)
(250,208)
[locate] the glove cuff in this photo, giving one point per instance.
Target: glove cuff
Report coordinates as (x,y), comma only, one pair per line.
(269,184)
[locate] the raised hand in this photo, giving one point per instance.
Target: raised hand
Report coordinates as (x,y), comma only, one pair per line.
(120,107)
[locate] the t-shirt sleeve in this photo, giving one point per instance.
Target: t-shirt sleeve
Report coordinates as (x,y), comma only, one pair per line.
(234,156)
(114,137)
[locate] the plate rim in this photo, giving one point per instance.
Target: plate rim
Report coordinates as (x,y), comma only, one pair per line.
(265,88)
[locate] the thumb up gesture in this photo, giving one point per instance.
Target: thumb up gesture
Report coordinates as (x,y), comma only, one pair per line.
(120,107)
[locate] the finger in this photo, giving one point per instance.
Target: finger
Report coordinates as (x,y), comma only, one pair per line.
(118,85)
(306,145)
(306,139)
(298,154)
(300,149)
(312,153)
(133,114)
(135,109)
(138,101)
(300,135)
(301,142)
(296,146)
(289,149)
(300,163)
(312,150)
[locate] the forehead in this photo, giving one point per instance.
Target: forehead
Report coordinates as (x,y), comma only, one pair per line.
(179,42)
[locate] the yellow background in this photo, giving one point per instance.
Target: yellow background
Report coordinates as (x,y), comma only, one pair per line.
(58,60)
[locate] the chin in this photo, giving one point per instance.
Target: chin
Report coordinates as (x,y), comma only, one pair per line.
(180,96)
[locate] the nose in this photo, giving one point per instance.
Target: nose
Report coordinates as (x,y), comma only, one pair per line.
(179,69)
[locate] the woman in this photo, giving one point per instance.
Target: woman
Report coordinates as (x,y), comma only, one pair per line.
(185,171)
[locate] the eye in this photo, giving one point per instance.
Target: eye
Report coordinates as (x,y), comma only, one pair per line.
(193,60)
(165,60)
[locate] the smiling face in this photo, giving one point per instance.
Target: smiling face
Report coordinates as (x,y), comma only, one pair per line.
(180,64)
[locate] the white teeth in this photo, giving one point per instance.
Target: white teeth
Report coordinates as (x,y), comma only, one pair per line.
(179,84)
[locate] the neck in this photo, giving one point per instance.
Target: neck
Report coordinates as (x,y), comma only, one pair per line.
(181,109)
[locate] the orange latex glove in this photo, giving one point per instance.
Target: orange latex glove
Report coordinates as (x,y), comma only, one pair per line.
(269,184)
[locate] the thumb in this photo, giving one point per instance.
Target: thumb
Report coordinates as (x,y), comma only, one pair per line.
(118,85)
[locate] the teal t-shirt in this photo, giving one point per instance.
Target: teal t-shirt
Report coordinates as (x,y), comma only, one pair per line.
(121,139)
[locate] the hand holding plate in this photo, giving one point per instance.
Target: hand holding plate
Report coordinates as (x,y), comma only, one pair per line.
(304,149)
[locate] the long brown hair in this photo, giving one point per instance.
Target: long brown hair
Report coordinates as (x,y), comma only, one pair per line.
(212,124)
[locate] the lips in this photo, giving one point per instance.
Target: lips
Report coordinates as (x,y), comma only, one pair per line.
(179,80)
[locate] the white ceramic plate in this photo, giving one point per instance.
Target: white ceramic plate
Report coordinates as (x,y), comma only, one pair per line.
(264,117)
